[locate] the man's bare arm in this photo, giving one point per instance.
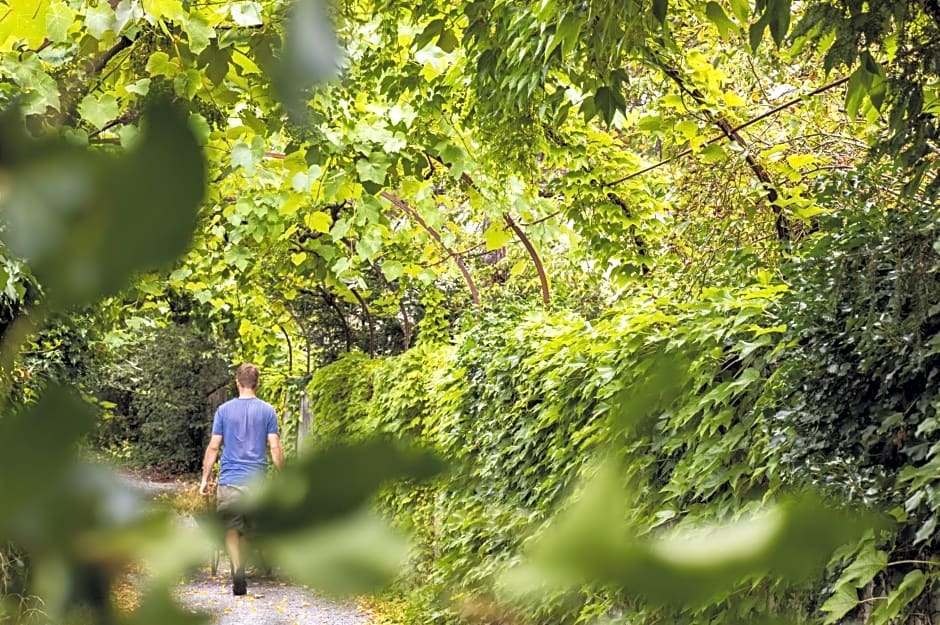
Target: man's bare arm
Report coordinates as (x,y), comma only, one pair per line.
(212,454)
(277,454)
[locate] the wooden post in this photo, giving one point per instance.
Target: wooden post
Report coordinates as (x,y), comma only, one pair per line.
(303,423)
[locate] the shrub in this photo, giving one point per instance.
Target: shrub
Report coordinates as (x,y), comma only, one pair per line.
(161,397)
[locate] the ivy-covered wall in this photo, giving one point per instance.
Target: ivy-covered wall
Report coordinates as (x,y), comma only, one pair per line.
(821,377)
(522,408)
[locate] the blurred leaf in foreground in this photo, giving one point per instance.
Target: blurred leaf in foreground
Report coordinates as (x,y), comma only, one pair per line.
(336,482)
(658,381)
(314,518)
(86,221)
(78,523)
(356,554)
(52,425)
(310,54)
(591,543)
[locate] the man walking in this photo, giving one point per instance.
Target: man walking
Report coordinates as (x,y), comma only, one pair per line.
(244,428)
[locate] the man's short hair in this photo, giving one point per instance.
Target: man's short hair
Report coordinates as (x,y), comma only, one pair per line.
(247,376)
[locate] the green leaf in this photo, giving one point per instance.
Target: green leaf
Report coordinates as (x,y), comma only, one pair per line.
(756,33)
(713,153)
(86,221)
(98,111)
(592,542)
(200,128)
(910,589)
(778,18)
(199,32)
(392,270)
(159,64)
(863,569)
(246,157)
(741,9)
(59,19)
(356,555)
(447,41)
(319,221)
(719,18)
(99,19)
(246,13)
(369,243)
(660,377)
(140,87)
(497,236)
(164,9)
(855,92)
(432,30)
(304,495)
(606,103)
(840,603)
(651,123)
(660,8)
(339,229)
(310,54)
(54,424)
(427,276)
(372,169)
(24,20)
(926,531)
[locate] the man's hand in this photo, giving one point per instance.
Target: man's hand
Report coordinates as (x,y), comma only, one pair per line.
(212,452)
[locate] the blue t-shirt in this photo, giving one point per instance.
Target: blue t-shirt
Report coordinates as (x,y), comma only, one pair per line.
(244,424)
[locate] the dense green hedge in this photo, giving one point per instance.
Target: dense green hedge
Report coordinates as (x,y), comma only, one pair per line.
(823,379)
(521,408)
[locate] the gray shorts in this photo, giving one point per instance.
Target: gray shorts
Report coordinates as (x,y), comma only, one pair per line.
(229,506)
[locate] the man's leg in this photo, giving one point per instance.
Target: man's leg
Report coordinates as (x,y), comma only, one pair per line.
(228,506)
(233,545)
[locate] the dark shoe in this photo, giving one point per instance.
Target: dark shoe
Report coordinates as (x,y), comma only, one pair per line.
(239,584)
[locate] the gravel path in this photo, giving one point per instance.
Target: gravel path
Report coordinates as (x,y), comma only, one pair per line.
(145,485)
(268,602)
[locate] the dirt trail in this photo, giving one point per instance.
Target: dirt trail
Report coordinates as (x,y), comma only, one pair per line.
(269,601)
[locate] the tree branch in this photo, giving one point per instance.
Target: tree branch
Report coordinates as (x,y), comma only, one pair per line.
(98,64)
(330,300)
(290,350)
(535,222)
(782,224)
(124,118)
(474,294)
(543,279)
(368,316)
(723,136)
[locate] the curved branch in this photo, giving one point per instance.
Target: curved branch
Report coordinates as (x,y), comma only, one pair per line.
(736,129)
(540,220)
(303,331)
(368,316)
(474,294)
(290,350)
(98,64)
(330,300)
(406,320)
(543,279)
(407,326)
